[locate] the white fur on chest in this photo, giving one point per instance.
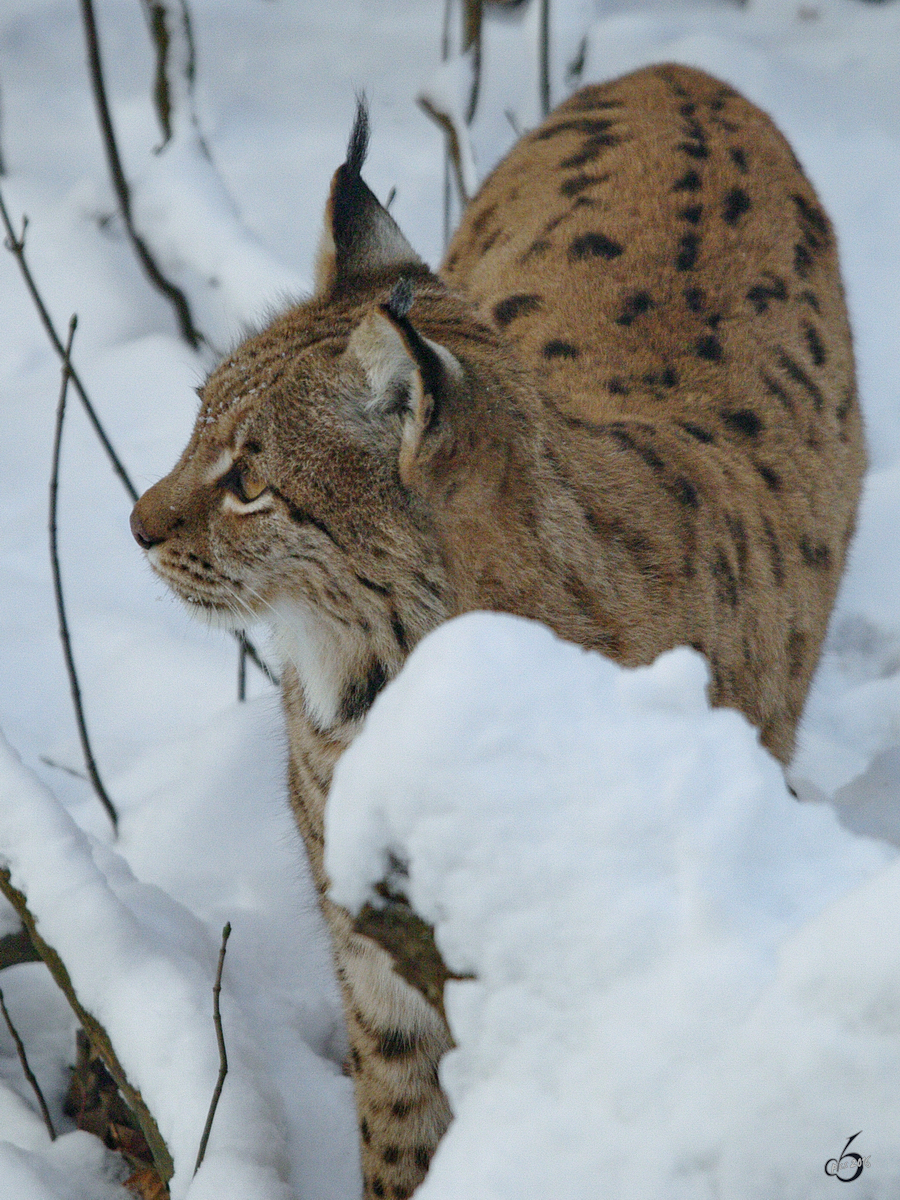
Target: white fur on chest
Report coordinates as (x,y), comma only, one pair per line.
(327,656)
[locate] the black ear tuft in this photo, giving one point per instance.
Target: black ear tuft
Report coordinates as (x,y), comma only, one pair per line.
(400,300)
(359,138)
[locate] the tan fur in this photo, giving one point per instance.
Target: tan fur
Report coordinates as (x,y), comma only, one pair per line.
(626,408)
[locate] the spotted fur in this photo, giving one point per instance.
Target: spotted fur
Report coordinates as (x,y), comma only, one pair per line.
(625,407)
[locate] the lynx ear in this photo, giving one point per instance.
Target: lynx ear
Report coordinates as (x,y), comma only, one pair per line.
(359,237)
(405,372)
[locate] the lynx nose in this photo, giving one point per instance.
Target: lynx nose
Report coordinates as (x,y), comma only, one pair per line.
(139,530)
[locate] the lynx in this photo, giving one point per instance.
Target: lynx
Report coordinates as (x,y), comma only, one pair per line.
(624,407)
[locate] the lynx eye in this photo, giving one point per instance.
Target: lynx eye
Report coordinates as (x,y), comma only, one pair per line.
(244,482)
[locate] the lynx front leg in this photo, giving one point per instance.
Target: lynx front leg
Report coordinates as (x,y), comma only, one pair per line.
(396,1042)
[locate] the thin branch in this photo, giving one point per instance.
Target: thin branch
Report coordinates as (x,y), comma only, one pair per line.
(99,1037)
(471,40)
(454,148)
(242,667)
(120,184)
(89,762)
(544,54)
(223,1058)
(29,1074)
(17,948)
(50,762)
(16,247)
(448,201)
(166,39)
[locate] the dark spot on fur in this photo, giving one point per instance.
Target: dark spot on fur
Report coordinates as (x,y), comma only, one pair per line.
(775,555)
(634,305)
(739,538)
(796,649)
(813,221)
(590,126)
(360,695)
(684,492)
(422,1157)
(693,149)
(688,246)
(695,298)
(578,183)
(739,158)
(846,403)
(692,214)
(772,478)
(391,1154)
(810,298)
(771,288)
(667,378)
(742,420)
(376,1185)
(479,222)
(736,203)
(536,249)
(647,453)
(593,245)
(401,1109)
(515,306)
(702,435)
(490,240)
(365,1131)
(689,182)
(815,344)
(726,584)
(399,631)
(774,388)
(796,372)
(557,349)
(709,347)
(617,387)
(714,320)
(687,110)
(357,1063)
(815,554)
(803,260)
(379,588)
(395,1043)
(591,148)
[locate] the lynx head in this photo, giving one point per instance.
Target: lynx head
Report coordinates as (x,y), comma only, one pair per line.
(296,498)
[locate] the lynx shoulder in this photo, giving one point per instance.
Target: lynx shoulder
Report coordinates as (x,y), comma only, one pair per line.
(624,407)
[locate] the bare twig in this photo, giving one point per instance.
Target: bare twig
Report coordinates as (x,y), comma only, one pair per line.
(242,666)
(89,762)
(50,762)
(17,948)
(29,1074)
(454,150)
(172,293)
(471,40)
(92,1027)
(165,38)
(223,1058)
(16,247)
(544,54)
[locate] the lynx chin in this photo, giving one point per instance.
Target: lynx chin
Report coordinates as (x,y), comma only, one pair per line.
(625,406)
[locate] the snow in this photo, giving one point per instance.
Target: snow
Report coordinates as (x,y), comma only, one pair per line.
(686,981)
(710,922)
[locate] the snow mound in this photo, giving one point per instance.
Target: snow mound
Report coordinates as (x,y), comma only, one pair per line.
(651,919)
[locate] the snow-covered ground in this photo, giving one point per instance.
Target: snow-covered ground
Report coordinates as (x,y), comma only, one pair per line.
(688,984)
